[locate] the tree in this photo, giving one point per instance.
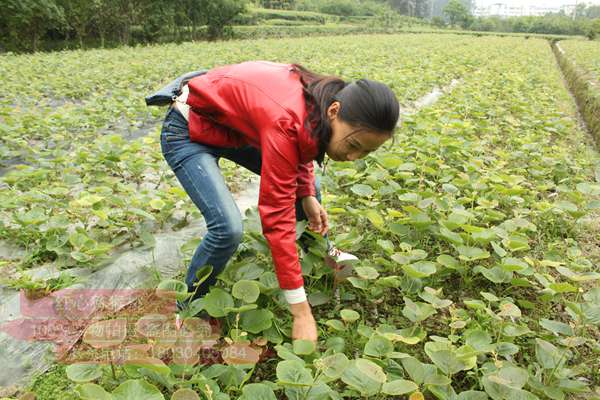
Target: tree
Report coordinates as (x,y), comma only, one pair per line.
(103,17)
(78,14)
(218,14)
(594,30)
(457,13)
(437,8)
(29,20)
(592,12)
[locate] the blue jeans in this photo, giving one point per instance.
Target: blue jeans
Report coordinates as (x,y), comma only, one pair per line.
(196,166)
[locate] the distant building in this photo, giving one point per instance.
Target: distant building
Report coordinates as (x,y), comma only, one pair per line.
(505,10)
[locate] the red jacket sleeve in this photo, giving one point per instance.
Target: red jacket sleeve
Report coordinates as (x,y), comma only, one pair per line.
(276,201)
(306,180)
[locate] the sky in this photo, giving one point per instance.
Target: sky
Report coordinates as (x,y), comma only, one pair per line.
(538,3)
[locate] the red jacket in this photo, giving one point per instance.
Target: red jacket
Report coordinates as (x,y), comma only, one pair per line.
(261,103)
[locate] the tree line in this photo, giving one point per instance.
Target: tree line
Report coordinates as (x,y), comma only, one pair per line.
(25,23)
(29,25)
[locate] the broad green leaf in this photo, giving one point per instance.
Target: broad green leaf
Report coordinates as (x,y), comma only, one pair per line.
(172,289)
(496,274)
(362,190)
(83,372)
(137,389)
(185,394)
(333,366)
(246,290)
(256,321)
(157,204)
(257,391)
(336,324)
(448,359)
(378,346)
(420,269)
(399,387)
(216,301)
(366,272)
(292,372)
(375,218)
(304,347)
(349,315)
(417,311)
(548,355)
(480,340)
(133,366)
(471,253)
(365,376)
(448,261)
(91,391)
(450,236)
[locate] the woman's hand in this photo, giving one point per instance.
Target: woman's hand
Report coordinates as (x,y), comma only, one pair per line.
(304,325)
(316,214)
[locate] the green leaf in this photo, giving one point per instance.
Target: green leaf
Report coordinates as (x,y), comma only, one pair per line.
(417,311)
(513,264)
(335,324)
(334,365)
(496,274)
(509,310)
(137,389)
(256,321)
(450,236)
(293,373)
(157,204)
(185,394)
(378,346)
(480,340)
(472,395)
(304,347)
(374,217)
(257,391)
(471,253)
(420,269)
(399,387)
(216,301)
(448,359)
(172,289)
(563,287)
(362,190)
(484,237)
(364,376)
(349,315)
(91,391)
(498,249)
(83,372)
(366,272)
(133,366)
(246,290)
(548,355)
(506,384)
(448,261)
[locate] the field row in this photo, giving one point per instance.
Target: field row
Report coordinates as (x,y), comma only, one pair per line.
(585,53)
(85,191)
(481,226)
(477,233)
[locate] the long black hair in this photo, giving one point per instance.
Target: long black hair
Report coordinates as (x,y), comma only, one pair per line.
(364,103)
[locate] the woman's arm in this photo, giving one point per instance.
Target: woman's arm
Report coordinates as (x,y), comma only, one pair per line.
(276,206)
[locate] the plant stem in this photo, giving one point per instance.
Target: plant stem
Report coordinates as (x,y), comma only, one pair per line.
(112,365)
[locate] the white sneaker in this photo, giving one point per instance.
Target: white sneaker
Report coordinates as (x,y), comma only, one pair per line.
(341,257)
(341,262)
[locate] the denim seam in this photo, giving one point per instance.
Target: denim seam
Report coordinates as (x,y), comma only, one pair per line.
(212,214)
